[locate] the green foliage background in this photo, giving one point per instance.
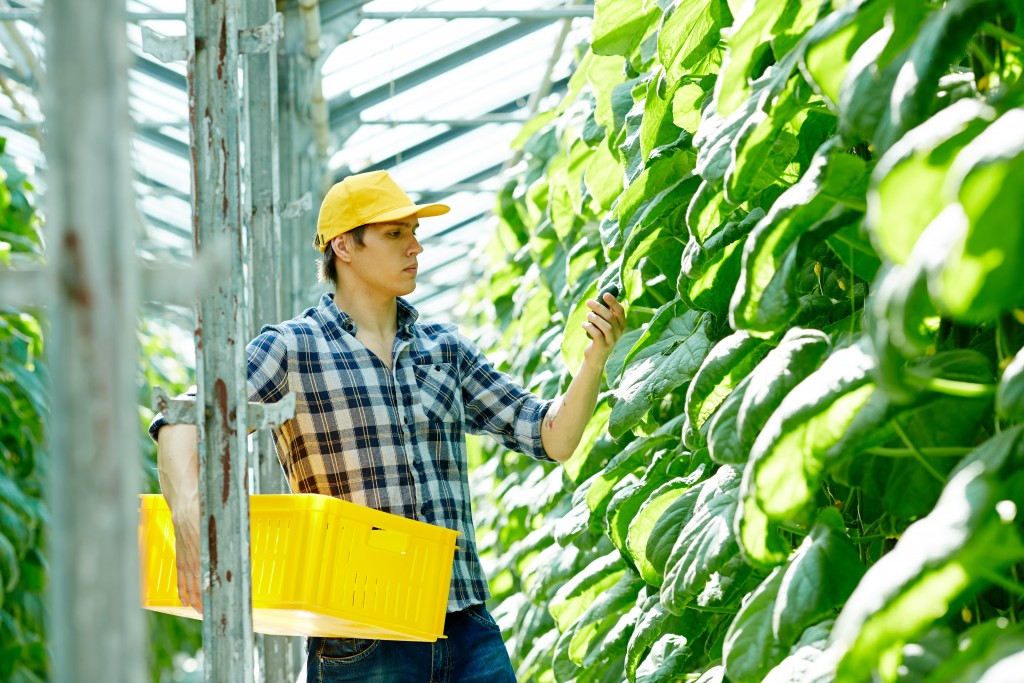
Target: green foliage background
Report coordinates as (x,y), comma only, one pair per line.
(24,515)
(806,461)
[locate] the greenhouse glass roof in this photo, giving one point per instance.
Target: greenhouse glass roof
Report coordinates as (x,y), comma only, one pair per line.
(435,101)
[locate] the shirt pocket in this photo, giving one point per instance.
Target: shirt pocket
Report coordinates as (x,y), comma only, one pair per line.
(439,392)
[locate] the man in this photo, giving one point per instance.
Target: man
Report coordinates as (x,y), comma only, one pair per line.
(383,402)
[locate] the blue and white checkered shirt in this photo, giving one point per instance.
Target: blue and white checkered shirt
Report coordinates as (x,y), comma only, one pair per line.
(391,439)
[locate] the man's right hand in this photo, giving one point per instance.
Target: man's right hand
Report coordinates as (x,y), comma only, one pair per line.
(178,467)
(186,549)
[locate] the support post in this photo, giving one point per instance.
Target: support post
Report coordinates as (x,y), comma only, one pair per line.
(214,110)
(279,656)
(302,170)
(95,621)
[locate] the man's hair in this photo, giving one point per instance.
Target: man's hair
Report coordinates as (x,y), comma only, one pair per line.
(327,266)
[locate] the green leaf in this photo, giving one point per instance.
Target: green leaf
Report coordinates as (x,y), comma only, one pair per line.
(632,458)
(936,560)
(728,362)
(835,412)
(697,256)
(1010,392)
(723,433)
(757,536)
(799,354)
(689,32)
(619,26)
(989,651)
(601,615)
(975,274)
(832,42)
(706,542)
(919,163)
(818,577)
(642,526)
(805,663)
(671,522)
(577,594)
(660,368)
(813,209)
(855,251)
(667,657)
(753,27)
(655,621)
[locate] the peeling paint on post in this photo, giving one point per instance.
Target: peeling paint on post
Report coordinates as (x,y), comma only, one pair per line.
(277,654)
(94,620)
(220,366)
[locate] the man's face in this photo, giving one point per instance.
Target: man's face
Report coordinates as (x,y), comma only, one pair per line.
(389,259)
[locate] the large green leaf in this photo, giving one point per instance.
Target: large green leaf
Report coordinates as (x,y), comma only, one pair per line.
(919,163)
(728,362)
(706,542)
(577,594)
(642,526)
(766,298)
(689,32)
(805,663)
(990,651)
(655,621)
(723,433)
(832,42)
(968,535)
(799,354)
(619,26)
(818,577)
(753,28)
(666,364)
(975,274)
(1010,392)
(587,631)
(828,414)
(671,522)
(668,656)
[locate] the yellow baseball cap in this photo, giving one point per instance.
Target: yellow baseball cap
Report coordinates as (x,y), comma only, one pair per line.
(366,198)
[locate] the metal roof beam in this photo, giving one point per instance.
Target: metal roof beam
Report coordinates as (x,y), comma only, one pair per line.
(440,138)
(519,15)
(346,106)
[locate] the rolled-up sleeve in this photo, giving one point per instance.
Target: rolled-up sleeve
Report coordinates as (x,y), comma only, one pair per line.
(266,372)
(495,404)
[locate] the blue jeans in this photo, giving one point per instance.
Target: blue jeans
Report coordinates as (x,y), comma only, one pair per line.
(473,652)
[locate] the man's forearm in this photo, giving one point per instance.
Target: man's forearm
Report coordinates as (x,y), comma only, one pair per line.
(178,466)
(568,416)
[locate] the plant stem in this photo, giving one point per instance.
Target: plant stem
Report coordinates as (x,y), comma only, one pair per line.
(937,452)
(793,529)
(1013,597)
(868,539)
(979,54)
(714,610)
(1001,33)
(951,387)
(917,453)
(1011,587)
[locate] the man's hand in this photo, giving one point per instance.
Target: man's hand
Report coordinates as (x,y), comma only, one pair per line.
(186,550)
(605,325)
(178,467)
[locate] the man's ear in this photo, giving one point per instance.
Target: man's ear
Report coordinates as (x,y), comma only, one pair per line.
(340,246)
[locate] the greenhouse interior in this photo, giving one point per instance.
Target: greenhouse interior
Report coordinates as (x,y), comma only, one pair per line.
(545,341)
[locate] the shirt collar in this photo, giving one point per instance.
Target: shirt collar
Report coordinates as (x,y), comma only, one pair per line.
(407,314)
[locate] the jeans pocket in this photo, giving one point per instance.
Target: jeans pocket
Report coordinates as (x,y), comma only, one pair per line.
(479,614)
(346,650)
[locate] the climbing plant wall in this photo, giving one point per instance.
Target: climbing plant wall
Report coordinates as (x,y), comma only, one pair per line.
(807,461)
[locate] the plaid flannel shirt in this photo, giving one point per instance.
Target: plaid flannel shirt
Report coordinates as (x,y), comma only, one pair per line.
(391,439)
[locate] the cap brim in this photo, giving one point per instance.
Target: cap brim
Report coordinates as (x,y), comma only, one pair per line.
(418,210)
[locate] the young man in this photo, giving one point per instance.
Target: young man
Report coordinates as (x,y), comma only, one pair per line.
(383,402)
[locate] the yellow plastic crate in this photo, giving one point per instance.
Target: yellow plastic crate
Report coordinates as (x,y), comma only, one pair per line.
(321,566)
